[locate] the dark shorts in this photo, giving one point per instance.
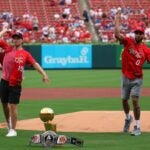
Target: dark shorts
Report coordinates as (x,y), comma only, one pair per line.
(9,94)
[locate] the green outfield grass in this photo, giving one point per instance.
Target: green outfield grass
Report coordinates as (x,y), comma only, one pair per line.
(28,109)
(96,141)
(93,141)
(77,78)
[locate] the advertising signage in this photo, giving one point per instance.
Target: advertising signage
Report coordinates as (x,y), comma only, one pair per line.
(67,56)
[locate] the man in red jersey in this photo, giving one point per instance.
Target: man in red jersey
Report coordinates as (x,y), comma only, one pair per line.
(14,60)
(134,55)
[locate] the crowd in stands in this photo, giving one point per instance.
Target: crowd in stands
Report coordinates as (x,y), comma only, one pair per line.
(130,19)
(68,28)
(61,2)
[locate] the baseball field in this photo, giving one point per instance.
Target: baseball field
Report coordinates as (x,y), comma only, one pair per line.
(87,105)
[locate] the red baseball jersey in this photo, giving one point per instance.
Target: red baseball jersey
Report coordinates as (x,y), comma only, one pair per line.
(14,62)
(133,58)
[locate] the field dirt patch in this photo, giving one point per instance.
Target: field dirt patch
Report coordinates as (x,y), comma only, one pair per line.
(86,121)
(63,93)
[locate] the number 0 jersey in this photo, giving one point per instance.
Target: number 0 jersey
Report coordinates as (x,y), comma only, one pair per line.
(133,57)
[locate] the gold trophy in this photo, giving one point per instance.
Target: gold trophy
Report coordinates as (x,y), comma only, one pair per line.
(47,115)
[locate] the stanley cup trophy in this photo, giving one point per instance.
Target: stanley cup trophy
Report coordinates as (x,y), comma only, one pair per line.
(47,115)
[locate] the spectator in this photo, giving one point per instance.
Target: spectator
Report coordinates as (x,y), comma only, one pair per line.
(66,12)
(85,16)
(5,24)
(45,33)
(56,16)
(35,22)
(5,15)
(147,33)
(68,2)
(62,2)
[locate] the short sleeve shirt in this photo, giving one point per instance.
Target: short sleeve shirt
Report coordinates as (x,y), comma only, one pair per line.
(14,62)
(133,58)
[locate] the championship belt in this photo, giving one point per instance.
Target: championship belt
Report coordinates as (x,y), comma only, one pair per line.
(50,139)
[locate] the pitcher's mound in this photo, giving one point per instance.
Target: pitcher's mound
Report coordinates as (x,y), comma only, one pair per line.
(86,121)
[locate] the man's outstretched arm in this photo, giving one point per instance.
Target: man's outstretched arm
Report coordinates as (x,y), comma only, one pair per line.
(117,26)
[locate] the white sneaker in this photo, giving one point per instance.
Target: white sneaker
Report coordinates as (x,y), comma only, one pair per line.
(136,131)
(11,133)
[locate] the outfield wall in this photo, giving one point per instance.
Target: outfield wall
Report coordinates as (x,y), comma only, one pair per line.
(77,56)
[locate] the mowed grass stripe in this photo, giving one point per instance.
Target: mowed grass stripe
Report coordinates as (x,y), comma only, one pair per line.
(31,108)
(78,78)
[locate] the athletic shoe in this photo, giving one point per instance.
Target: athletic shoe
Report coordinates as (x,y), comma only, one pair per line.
(127,124)
(11,133)
(136,131)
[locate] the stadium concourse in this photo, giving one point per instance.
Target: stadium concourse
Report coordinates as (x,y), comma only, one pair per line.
(72,21)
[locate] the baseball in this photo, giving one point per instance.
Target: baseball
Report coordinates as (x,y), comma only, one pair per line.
(46,114)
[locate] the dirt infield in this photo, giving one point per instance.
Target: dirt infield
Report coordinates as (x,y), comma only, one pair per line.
(55,93)
(83,121)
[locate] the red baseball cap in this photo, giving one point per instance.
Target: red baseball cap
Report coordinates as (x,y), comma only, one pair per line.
(139,29)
